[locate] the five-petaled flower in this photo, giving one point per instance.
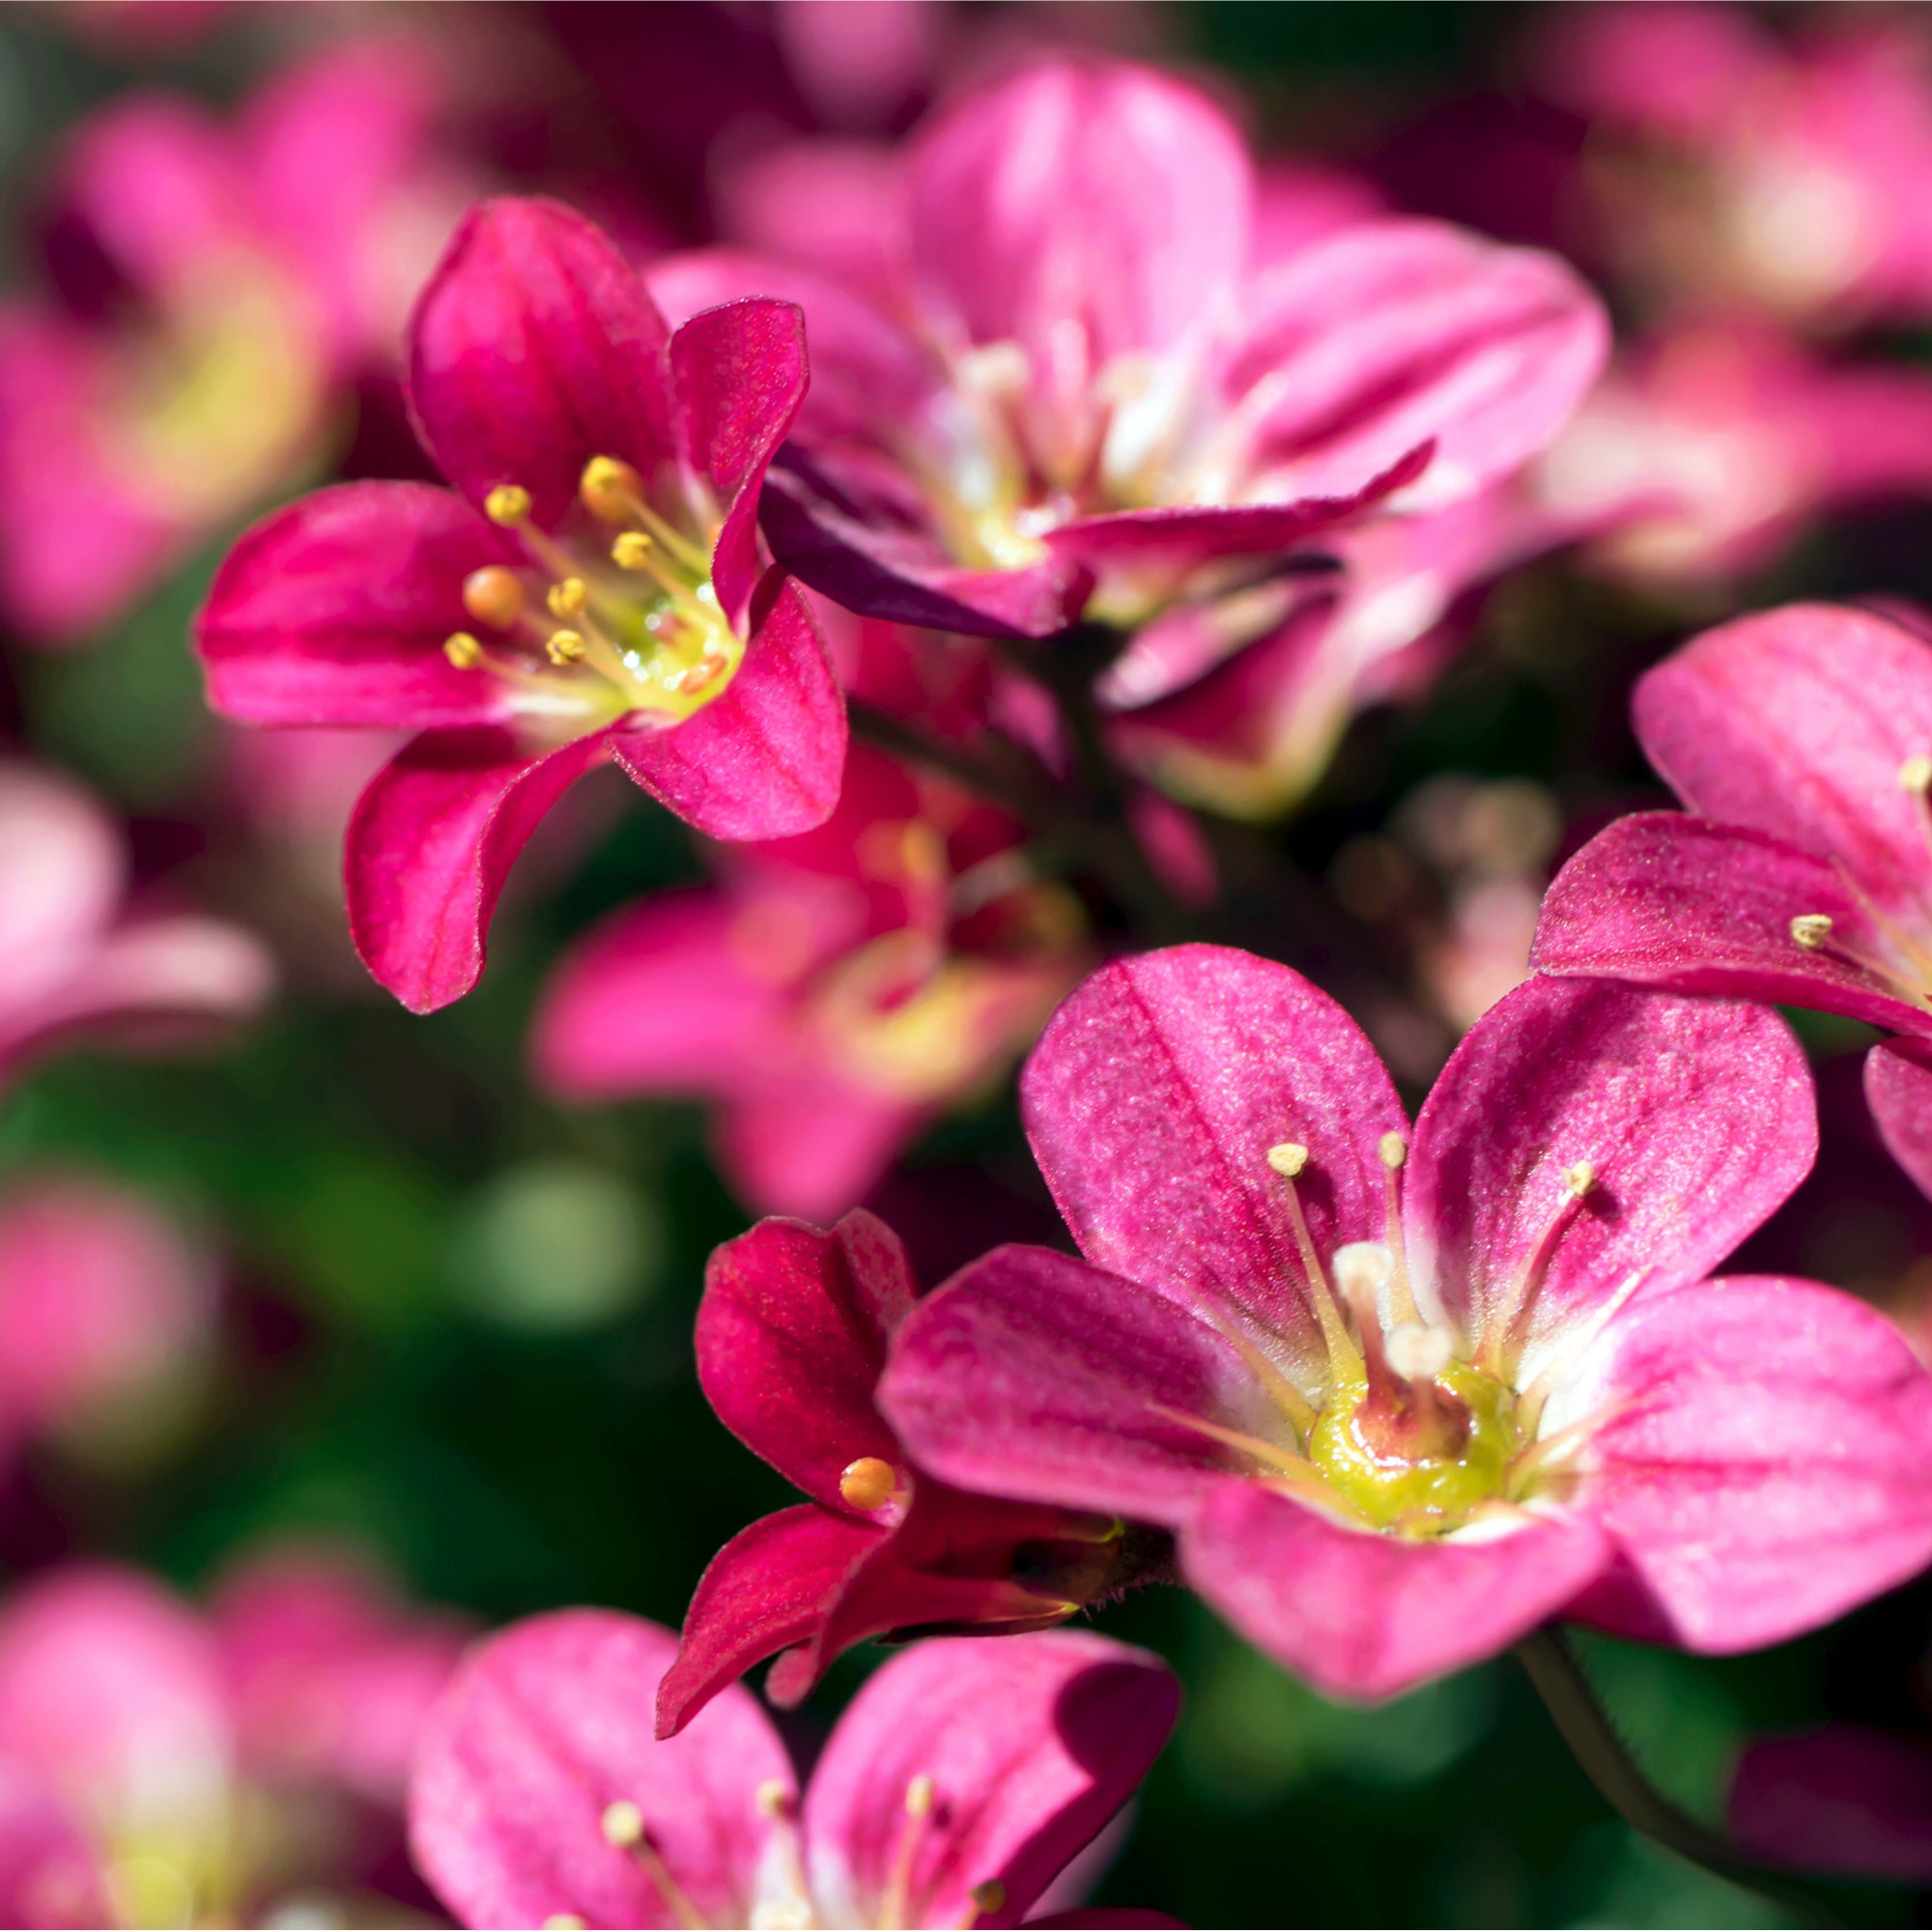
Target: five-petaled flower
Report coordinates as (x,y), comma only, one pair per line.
(955,1788)
(1402,1396)
(1800,741)
(791,1338)
(592,590)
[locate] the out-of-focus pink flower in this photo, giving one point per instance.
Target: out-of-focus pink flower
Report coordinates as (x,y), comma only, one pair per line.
(1089,394)
(831,995)
(602,540)
(218,285)
(1710,448)
(1837,1799)
(791,1339)
(960,1781)
(1402,1399)
(73,962)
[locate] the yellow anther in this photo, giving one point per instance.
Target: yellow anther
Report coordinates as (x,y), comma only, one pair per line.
(1916,774)
(493,596)
(622,1825)
(508,504)
(1812,930)
(632,550)
(868,1482)
(463,651)
(988,1897)
(568,598)
(1394,1151)
(918,1797)
(1288,1159)
(609,488)
(564,647)
(1579,1179)
(563,1921)
(773,1797)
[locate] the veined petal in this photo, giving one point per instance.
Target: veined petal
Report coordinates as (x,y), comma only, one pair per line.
(1031,1745)
(430,842)
(1898,1091)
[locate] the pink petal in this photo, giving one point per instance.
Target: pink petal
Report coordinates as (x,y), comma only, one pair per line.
(431,843)
(334,612)
(62,873)
(1367,1617)
(1898,1091)
(534,348)
(738,375)
(1839,1798)
(1034,1375)
(763,759)
(1668,900)
(811,1146)
(1767,1465)
(546,1727)
(1151,1102)
(49,1873)
(1795,722)
(770,1587)
(791,1339)
(1697,1117)
(1032,1744)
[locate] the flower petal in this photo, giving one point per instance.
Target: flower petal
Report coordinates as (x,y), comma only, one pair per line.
(812,1145)
(770,1587)
(1768,1463)
(1665,900)
(430,842)
(1151,1102)
(1697,1117)
(1030,1744)
(763,759)
(1034,1375)
(1837,1799)
(49,1873)
(547,1725)
(334,612)
(1366,1616)
(1898,1091)
(791,1339)
(534,348)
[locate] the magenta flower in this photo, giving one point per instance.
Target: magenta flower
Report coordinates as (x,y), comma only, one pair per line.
(1092,392)
(1837,1799)
(831,996)
(791,1338)
(1800,741)
(960,1781)
(1402,1396)
(592,591)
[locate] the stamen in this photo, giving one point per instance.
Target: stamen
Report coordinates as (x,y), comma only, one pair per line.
(772,1799)
(623,1827)
(566,600)
(869,1484)
(635,550)
(1812,930)
(1534,1459)
(1283,1460)
(1529,1408)
(1912,950)
(564,647)
(1916,775)
(1288,1158)
(463,651)
(608,487)
(507,506)
(1394,1151)
(622,1823)
(988,1896)
(564,1922)
(1296,1405)
(920,1796)
(1503,1338)
(495,596)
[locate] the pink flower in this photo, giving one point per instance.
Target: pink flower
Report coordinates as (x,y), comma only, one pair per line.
(1401,1395)
(73,962)
(1091,395)
(791,1338)
(961,1780)
(1800,741)
(1837,1799)
(591,593)
(832,995)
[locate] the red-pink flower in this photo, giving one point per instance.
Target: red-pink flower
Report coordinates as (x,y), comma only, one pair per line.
(791,1338)
(960,1781)
(1801,743)
(1092,392)
(590,592)
(73,961)
(831,995)
(1404,1395)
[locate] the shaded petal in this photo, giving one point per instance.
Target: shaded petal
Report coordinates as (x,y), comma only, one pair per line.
(813,1147)
(1898,1091)
(791,1340)
(547,1725)
(1767,1466)
(334,612)
(763,759)
(1697,1119)
(1034,1375)
(1366,1616)
(770,1587)
(430,842)
(1669,901)
(534,348)
(1837,1799)
(1032,1744)
(1151,1101)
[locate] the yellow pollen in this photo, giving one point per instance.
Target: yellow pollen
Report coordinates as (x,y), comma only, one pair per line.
(568,598)
(564,647)
(463,651)
(1288,1159)
(1394,1151)
(622,1825)
(1812,930)
(918,1797)
(1916,774)
(1579,1179)
(632,550)
(507,504)
(772,1798)
(493,596)
(563,1921)
(609,488)
(868,1482)
(988,1897)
